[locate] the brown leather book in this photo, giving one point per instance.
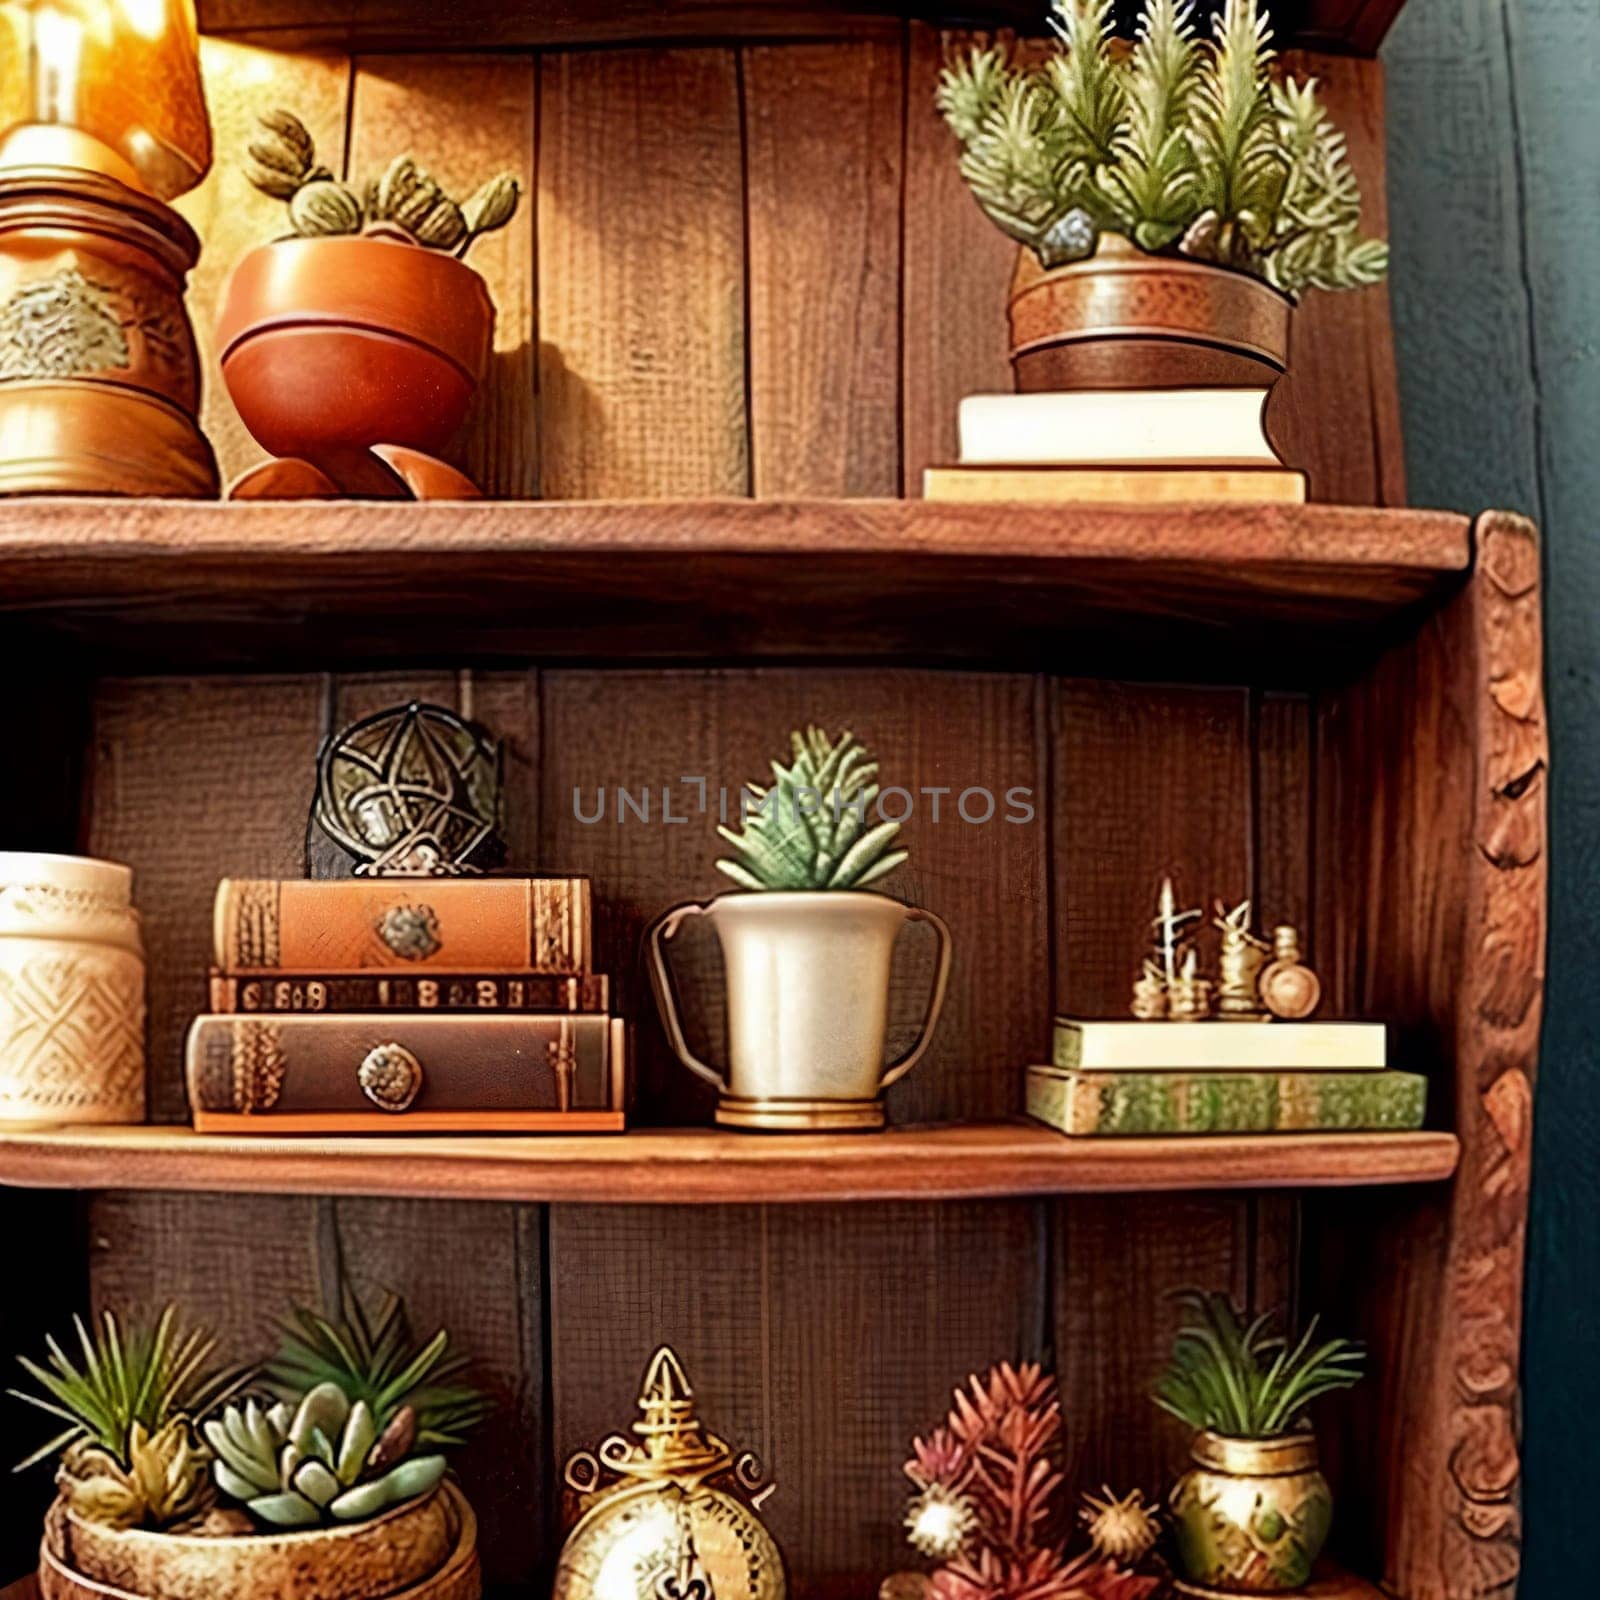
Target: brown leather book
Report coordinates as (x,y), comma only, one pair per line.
(399,1074)
(443,992)
(327,925)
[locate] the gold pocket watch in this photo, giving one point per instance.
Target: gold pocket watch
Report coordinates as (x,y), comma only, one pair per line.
(671,1517)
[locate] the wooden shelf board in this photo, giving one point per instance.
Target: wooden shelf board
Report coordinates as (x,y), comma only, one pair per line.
(711,1167)
(172,582)
(1355,26)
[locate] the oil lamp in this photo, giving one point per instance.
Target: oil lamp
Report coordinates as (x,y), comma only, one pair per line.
(672,1516)
(102,122)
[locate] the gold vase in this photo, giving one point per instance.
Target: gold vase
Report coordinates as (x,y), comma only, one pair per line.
(808,1004)
(1251,1515)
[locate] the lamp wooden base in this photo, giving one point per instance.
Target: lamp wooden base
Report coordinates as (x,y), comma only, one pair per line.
(99,378)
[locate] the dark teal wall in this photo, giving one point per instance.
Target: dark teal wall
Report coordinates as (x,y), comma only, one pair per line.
(1494,188)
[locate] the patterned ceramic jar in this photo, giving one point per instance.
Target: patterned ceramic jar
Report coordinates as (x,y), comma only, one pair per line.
(71,991)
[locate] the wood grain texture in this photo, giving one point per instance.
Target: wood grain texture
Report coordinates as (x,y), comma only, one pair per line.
(231,216)
(641,285)
(822,200)
(646,732)
(193,780)
(1290,590)
(1438,918)
(1336,413)
(1146,780)
(955,267)
(978,1160)
(466,118)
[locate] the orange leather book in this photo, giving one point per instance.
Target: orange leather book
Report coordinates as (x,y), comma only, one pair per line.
(325,926)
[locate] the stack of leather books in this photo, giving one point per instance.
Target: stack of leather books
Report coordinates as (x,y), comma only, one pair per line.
(397,1004)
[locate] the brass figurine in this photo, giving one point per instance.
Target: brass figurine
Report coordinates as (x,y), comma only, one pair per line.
(1239,965)
(674,1516)
(1256,980)
(1189,997)
(1289,988)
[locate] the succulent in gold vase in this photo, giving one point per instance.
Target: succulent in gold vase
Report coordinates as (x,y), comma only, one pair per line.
(1251,1514)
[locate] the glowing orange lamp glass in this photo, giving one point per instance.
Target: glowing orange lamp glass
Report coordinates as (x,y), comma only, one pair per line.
(102,121)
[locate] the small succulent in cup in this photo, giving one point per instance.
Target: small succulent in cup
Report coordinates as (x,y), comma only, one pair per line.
(404,201)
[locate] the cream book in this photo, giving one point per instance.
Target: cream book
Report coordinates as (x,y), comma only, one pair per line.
(1218,1046)
(1123,486)
(1117,428)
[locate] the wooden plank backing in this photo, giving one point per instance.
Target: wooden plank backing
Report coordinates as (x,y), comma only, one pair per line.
(465,118)
(822,196)
(1146,780)
(641,282)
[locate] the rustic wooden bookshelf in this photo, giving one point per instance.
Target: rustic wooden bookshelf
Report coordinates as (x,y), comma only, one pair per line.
(701,446)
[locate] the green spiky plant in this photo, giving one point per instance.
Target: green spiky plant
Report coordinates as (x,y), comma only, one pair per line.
(1182,145)
(128,1453)
(1243,1379)
(321,1461)
(809,829)
(372,1358)
(403,201)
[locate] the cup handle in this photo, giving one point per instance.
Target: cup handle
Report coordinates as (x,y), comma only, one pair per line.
(941,980)
(663,928)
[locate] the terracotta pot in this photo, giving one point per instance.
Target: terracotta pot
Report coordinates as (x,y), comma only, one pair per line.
(99,378)
(1126,320)
(331,346)
(71,991)
(1251,1515)
(426,1550)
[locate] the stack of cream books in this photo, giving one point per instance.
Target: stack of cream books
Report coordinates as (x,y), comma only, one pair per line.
(1130,446)
(1222,1077)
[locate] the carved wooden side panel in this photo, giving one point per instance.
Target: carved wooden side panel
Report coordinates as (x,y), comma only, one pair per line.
(1499,1007)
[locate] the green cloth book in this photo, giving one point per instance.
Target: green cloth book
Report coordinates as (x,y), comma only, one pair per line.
(1098,1104)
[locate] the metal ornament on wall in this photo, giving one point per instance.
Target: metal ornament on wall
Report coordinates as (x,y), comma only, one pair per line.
(671,1517)
(410,791)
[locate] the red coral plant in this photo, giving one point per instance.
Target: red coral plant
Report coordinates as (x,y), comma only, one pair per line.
(989,1484)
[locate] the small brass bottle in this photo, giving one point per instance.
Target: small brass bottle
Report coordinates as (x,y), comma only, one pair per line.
(1289,988)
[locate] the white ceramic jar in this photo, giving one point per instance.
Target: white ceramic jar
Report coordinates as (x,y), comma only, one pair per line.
(71,991)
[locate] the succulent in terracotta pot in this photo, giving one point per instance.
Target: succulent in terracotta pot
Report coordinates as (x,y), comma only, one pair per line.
(807,950)
(363,330)
(1171,198)
(341,1496)
(1252,1513)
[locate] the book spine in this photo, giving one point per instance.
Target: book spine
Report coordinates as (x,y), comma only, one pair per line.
(317,928)
(1109,1104)
(387,1066)
(441,992)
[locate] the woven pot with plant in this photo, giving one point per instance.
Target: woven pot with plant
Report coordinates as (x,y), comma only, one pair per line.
(807,951)
(1252,1513)
(353,346)
(331,1486)
(1172,200)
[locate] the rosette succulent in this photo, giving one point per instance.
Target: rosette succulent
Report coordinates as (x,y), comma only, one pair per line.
(162,1484)
(403,201)
(813,829)
(323,1461)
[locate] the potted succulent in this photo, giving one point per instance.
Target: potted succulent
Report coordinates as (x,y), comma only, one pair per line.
(174,1484)
(807,950)
(1251,1514)
(1171,200)
(363,331)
